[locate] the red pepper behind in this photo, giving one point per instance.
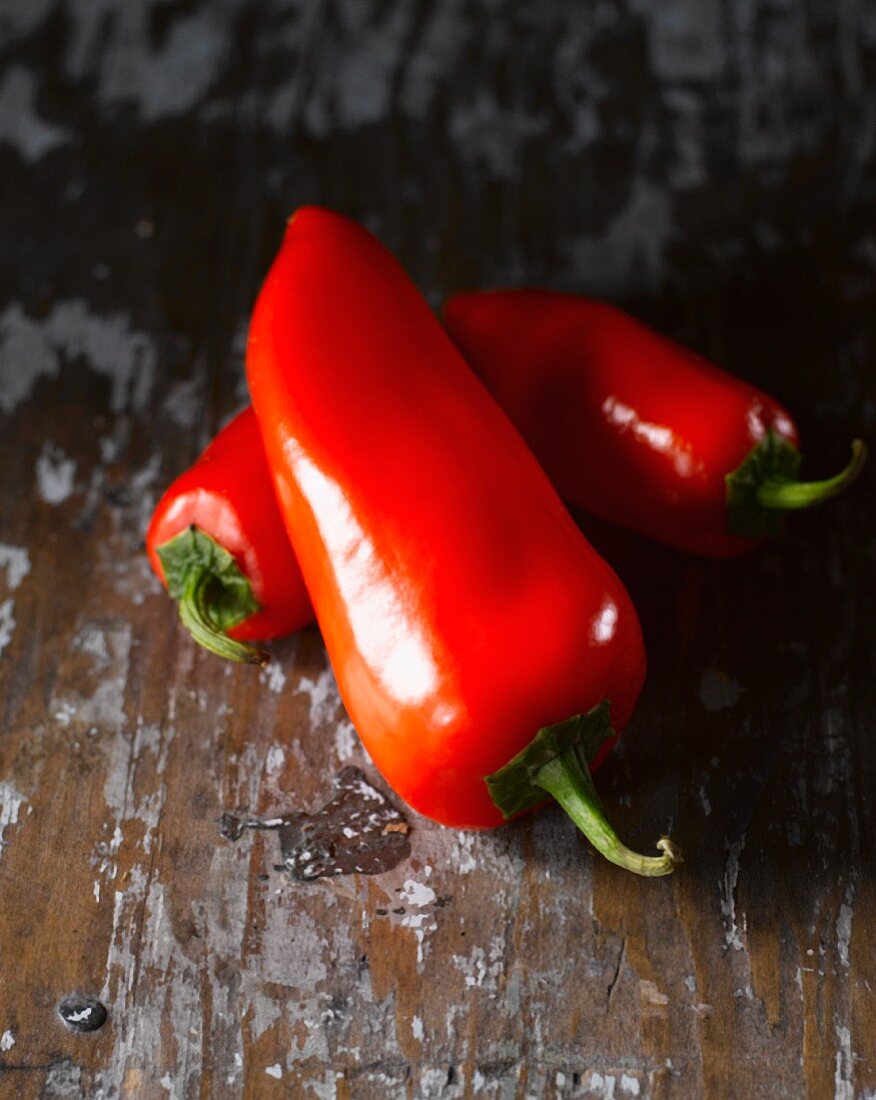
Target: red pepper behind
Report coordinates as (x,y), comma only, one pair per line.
(217,542)
(636,428)
(466,617)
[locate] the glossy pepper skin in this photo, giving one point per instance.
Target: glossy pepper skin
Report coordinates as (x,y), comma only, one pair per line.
(217,540)
(633,427)
(461,608)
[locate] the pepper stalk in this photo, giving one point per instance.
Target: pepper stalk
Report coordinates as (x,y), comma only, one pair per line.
(557,761)
(212,593)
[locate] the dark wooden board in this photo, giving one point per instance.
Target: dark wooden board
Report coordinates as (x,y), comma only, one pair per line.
(709,165)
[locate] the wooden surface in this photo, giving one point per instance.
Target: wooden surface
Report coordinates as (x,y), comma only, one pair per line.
(708,163)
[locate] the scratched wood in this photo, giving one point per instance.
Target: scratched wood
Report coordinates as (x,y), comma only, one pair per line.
(709,164)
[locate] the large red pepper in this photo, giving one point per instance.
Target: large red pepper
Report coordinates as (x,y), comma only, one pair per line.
(218,543)
(485,653)
(636,428)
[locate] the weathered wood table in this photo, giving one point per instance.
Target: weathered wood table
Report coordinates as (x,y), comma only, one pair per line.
(708,164)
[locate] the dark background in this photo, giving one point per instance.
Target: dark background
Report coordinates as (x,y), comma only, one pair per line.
(707,164)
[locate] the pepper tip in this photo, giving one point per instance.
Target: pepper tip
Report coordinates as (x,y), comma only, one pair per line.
(667,845)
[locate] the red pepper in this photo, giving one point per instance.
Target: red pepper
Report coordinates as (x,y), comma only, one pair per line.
(217,542)
(635,428)
(485,653)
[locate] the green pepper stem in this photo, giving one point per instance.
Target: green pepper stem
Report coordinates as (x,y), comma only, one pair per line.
(194,610)
(567,777)
(803,494)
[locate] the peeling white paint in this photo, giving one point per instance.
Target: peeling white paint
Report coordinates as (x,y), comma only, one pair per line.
(293,950)
(844,1072)
(603,1085)
(346,741)
(685,39)
(273,677)
(733,934)
(11,801)
(103,858)
(55,474)
(482,969)
(33,349)
(123,799)
(445,34)
(64,713)
(417,1029)
(124,756)
(844,933)
(7,622)
(465,861)
(110,651)
(275,761)
(496,854)
(417,894)
(111,45)
(263,1009)
(421,924)
(184,403)
(276,1070)
(225,923)
(16,561)
(7,1039)
(327,1088)
(629,255)
(835,760)
(492,136)
(353,91)
(20,124)
(143,939)
(25,357)
(323,694)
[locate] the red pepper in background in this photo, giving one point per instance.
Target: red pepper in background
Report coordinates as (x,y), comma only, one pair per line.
(630,426)
(217,542)
(484,651)
(635,428)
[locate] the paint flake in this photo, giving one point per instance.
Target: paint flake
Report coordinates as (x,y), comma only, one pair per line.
(323,694)
(20,124)
(844,928)
(273,677)
(55,474)
(843,1080)
(11,802)
(16,561)
(417,894)
(733,935)
(7,622)
(33,349)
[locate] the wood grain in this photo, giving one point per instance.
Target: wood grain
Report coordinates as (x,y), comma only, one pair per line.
(709,165)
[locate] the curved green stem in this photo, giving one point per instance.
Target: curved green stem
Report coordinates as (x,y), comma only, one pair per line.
(786,495)
(194,610)
(567,777)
